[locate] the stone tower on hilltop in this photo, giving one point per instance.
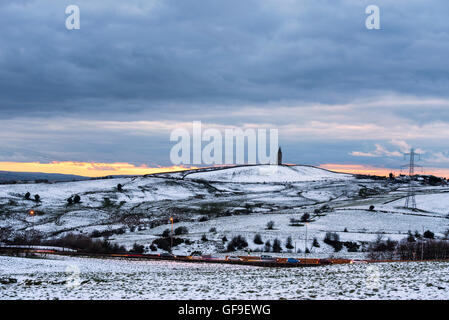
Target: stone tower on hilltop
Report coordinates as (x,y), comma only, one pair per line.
(279,157)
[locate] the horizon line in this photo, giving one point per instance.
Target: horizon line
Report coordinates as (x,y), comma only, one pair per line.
(99,169)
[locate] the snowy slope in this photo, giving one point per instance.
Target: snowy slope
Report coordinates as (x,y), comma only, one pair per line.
(437,203)
(268,174)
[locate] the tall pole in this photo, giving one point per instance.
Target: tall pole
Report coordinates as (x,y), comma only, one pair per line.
(32,213)
(171,237)
(305,243)
(422,244)
(410,201)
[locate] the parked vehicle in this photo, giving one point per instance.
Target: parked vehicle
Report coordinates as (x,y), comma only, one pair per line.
(267,258)
(209,257)
(195,256)
(325,261)
(292,260)
(167,255)
(233,258)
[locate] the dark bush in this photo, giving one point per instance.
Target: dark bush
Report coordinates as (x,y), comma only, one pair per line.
(213,230)
(138,248)
(305,217)
(371,208)
(37,198)
(352,246)
(289,244)
(429,234)
(270,225)
(70,201)
(315,243)
(203,219)
(27,196)
(107,233)
(258,239)
(204,238)
(181,230)
(267,247)
(119,187)
(76,199)
(224,239)
(166,233)
(164,243)
(277,245)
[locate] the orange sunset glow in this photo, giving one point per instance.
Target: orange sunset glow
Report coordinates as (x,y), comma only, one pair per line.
(87,169)
(93,169)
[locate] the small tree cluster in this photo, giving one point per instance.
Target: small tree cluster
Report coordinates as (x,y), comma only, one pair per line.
(237,243)
(333,239)
(270,225)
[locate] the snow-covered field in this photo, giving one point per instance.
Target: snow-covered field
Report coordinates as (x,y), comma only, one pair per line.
(84,278)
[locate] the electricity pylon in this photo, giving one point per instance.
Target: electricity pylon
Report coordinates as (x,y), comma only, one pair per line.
(410,201)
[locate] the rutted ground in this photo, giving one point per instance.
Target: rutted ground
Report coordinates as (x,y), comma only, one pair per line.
(118,279)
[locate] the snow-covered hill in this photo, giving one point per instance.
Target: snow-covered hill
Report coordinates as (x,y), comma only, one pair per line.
(268,174)
(218,202)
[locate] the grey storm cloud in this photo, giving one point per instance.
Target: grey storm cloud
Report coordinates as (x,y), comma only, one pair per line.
(146,55)
(309,67)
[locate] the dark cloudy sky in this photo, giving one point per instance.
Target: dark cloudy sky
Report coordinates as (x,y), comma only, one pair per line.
(137,69)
